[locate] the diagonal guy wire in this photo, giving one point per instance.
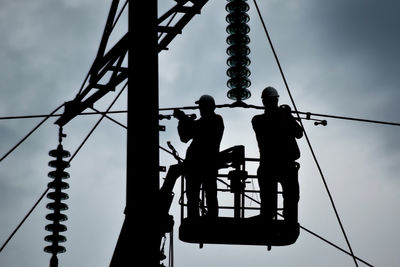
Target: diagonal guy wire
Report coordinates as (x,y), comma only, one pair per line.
(72,157)
(305,135)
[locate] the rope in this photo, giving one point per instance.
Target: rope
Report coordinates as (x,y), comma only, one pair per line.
(305,133)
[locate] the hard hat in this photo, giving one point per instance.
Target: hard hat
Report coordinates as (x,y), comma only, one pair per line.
(269,92)
(206,100)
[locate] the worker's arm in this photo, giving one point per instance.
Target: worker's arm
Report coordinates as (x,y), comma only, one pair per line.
(185,126)
(293,126)
(258,128)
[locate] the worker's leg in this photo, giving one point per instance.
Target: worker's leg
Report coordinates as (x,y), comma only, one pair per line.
(210,188)
(192,194)
(291,193)
(268,193)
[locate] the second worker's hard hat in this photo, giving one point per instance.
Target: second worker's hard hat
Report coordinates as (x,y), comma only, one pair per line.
(269,92)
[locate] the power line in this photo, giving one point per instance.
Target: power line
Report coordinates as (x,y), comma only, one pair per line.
(349,118)
(23,220)
(58,115)
(108,117)
(305,133)
(96,112)
(44,193)
(31,132)
(69,161)
(302,227)
(335,246)
(309,231)
(98,122)
(308,114)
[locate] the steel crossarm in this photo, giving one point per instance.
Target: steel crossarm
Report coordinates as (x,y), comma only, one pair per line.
(107,70)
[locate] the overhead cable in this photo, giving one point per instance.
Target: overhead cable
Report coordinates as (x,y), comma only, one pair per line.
(302,227)
(349,118)
(29,134)
(305,133)
(98,122)
(308,114)
(96,112)
(23,220)
(69,161)
(108,117)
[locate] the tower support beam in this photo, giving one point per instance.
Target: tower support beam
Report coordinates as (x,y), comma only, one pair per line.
(139,243)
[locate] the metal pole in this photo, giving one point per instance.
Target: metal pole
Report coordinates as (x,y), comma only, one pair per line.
(139,242)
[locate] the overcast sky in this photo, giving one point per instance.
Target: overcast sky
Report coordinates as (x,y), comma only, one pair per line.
(339,57)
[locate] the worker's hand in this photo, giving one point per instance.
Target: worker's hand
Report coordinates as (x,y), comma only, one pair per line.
(286,110)
(179,114)
(287,113)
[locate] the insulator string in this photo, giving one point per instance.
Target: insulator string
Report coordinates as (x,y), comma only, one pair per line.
(57,206)
(238,50)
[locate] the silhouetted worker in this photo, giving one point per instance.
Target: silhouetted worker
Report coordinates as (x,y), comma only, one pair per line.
(201,162)
(276,132)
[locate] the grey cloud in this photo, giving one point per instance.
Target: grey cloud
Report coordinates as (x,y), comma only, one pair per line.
(336,55)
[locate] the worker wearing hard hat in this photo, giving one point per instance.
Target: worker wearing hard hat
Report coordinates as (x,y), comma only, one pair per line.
(276,132)
(201,162)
